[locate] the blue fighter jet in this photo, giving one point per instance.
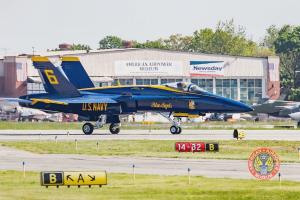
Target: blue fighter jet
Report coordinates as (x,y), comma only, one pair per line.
(69,90)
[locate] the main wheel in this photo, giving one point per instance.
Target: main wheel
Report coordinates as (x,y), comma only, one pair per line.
(114,128)
(173,129)
(179,130)
(88,128)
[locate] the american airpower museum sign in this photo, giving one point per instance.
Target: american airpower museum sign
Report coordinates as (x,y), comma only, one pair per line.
(148,67)
(206,68)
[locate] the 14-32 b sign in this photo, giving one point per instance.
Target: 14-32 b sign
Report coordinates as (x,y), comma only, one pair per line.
(196,147)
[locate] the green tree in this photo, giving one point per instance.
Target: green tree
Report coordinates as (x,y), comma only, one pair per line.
(226,39)
(80,47)
(286,42)
(156,44)
(271,37)
(178,42)
(111,42)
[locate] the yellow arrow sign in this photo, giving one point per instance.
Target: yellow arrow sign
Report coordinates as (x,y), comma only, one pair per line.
(60,178)
(85,178)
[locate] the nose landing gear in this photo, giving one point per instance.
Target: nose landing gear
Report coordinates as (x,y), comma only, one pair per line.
(175,128)
(114,128)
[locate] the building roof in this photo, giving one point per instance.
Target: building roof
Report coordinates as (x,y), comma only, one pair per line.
(166,50)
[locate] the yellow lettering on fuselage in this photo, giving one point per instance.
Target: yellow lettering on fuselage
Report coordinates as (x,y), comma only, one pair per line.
(94,107)
(161,105)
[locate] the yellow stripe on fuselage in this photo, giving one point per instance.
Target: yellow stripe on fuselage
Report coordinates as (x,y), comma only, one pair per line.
(161,87)
(185,115)
(48,101)
(39,59)
(70,59)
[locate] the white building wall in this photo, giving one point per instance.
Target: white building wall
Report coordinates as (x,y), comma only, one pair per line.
(103,63)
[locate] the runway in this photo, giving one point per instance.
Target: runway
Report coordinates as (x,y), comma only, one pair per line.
(11,159)
(288,135)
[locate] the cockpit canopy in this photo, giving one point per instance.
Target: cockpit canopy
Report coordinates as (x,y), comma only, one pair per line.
(185,86)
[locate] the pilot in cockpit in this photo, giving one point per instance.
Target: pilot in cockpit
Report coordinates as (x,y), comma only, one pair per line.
(182,86)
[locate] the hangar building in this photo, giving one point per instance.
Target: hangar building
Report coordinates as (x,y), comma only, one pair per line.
(242,78)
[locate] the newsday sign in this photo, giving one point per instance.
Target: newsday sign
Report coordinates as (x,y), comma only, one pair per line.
(207,68)
(148,68)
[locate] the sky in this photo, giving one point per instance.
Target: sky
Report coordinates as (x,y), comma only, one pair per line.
(43,24)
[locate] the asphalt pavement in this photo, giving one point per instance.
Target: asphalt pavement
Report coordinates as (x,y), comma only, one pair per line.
(11,159)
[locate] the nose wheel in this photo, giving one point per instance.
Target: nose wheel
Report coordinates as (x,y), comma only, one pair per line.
(87,128)
(175,129)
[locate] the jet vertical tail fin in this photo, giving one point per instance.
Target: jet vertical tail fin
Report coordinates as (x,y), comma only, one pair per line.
(76,73)
(53,80)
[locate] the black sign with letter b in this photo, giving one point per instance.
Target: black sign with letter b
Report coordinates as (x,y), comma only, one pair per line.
(52,178)
(214,147)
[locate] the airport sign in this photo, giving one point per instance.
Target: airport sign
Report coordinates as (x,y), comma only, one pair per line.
(190,146)
(212,147)
(73,178)
(85,178)
(196,147)
(52,178)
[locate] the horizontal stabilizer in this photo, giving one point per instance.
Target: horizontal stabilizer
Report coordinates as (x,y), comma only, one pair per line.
(15,100)
(48,101)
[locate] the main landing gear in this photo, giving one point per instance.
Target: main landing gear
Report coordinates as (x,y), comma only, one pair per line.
(114,127)
(175,128)
(88,128)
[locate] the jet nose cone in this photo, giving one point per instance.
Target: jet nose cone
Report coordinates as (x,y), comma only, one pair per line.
(247,108)
(236,106)
(241,107)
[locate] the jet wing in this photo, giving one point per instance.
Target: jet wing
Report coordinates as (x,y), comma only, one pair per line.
(288,105)
(17,100)
(61,101)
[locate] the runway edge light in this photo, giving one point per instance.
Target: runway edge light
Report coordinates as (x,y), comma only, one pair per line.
(73,178)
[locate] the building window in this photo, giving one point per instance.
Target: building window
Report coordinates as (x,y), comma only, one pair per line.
(100,84)
(122,81)
(164,81)
(147,81)
(206,84)
(35,88)
(251,90)
(227,88)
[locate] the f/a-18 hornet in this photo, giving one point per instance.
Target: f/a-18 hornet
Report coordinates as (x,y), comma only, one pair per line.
(69,90)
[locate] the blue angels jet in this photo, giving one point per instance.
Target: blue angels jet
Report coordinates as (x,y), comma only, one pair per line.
(69,90)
